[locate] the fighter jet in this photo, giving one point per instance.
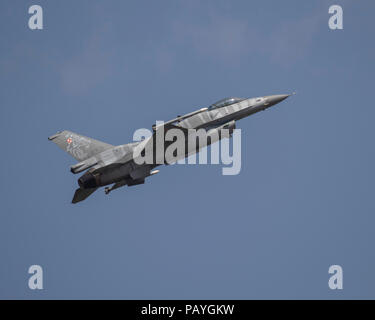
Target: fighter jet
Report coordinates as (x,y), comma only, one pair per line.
(106,164)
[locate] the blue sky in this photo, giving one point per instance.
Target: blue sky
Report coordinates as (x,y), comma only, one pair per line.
(302,202)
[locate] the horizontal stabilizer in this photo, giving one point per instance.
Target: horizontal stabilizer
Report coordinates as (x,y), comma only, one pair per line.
(82,194)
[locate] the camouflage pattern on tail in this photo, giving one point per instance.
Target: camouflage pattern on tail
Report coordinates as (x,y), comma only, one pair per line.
(78,146)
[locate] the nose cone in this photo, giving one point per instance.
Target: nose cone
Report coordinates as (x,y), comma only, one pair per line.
(272,100)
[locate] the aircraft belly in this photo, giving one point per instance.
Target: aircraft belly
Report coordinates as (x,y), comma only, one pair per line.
(218,121)
(114,174)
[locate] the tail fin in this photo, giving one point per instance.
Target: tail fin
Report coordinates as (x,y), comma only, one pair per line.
(82,194)
(78,146)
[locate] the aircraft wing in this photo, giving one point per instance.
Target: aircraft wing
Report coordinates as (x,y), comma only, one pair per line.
(78,146)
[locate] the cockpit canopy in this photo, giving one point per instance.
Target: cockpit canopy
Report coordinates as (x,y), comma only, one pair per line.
(224,102)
